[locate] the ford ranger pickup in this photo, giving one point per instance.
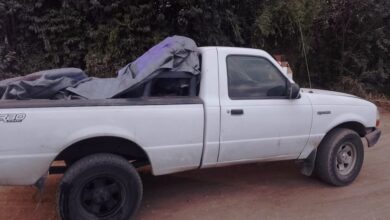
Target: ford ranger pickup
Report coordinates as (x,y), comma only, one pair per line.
(242,108)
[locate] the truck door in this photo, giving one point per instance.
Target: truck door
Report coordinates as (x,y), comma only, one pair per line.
(258,121)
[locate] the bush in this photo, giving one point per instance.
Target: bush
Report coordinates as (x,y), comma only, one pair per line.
(344,39)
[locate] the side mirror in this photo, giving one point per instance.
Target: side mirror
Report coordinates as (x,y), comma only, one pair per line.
(293,91)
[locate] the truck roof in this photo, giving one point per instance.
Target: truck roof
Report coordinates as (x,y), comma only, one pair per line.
(232,49)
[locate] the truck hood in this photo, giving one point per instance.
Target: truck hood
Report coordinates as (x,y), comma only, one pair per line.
(326,92)
(324,97)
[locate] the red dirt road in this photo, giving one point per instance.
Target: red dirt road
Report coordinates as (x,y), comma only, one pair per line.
(258,191)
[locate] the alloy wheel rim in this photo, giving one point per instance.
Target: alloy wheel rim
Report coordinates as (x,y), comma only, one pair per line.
(346,158)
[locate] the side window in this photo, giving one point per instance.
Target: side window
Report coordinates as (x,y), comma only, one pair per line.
(252,77)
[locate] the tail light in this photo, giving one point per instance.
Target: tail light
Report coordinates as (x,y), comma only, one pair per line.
(378,119)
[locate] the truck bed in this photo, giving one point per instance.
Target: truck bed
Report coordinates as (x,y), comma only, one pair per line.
(169,130)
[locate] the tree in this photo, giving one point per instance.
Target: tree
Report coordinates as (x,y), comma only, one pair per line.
(347,41)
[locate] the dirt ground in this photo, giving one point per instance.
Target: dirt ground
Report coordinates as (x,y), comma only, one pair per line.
(257,191)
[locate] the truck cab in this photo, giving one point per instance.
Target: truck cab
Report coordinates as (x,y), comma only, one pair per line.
(247,90)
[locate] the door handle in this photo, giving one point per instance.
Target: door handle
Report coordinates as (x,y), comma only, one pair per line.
(237,112)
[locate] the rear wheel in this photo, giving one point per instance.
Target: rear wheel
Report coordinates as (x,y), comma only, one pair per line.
(339,157)
(101,186)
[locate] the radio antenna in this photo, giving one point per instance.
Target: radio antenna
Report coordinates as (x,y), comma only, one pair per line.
(304,53)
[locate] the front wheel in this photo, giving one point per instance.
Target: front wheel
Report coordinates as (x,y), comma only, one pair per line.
(101,186)
(339,157)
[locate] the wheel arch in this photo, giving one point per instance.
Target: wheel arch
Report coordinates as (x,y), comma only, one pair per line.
(120,146)
(356,126)
(103,144)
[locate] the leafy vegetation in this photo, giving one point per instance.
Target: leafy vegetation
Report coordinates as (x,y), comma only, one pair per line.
(347,41)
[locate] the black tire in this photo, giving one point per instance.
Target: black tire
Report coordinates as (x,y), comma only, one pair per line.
(100,186)
(339,157)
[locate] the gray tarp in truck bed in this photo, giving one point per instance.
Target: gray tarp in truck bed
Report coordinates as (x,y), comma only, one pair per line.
(175,53)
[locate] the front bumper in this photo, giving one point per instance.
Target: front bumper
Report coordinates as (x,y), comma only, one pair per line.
(373,136)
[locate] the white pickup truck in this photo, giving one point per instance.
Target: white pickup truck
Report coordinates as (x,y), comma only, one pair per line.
(242,109)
